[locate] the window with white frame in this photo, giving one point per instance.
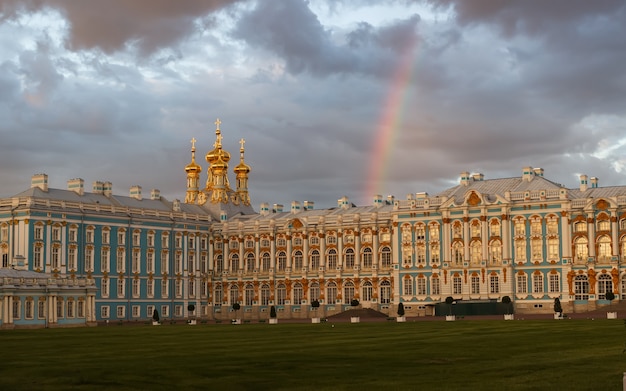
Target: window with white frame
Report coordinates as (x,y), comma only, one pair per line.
(121,237)
(70,308)
(604,248)
(56,234)
(366,258)
(104,287)
(164,288)
(435,285)
(105,236)
(136,238)
(149,311)
(119,260)
(368,291)
(178,310)
(165,261)
(349,258)
(385,257)
(248,294)
(80,308)
(433,232)
(537,283)
(522,283)
(71,257)
(494,284)
(178,288)
(104,259)
(121,311)
(265,261)
(331,259)
(407,285)
(55,257)
(475,285)
(89,259)
(121,287)
(421,285)
(104,312)
(331,292)
(581,288)
(265,294)
(298,293)
(136,287)
(281,294)
(37,256)
(385,292)
(553,248)
(38,233)
(150,287)
(136,261)
(89,235)
(554,285)
(165,311)
(150,261)
(136,311)
(165,240)
(605,285)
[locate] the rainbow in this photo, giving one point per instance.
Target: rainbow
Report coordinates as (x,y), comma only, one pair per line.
(389,124)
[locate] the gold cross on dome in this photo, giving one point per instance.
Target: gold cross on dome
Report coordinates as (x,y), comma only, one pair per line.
(217,124)
(193,143)
(242,142)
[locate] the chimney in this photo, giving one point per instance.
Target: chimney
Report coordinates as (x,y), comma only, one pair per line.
(390,199)
(309,205)
(98,187)
(135,192)
(478,177)
(378,200)
(594,182)
(40,181)
(343,202)
(107,189)
(155,194)
(176,205)
(465,178)
(264,209)
(223,216)
(528,173)
(583,182)
(76,185)
(295,207)
(278,208)
(538,171)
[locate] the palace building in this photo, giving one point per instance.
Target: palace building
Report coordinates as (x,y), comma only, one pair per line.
(110,257)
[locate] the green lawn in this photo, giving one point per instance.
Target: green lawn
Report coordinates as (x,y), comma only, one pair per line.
(438,355)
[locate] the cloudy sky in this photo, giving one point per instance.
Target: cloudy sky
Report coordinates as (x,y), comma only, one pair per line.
(333,98)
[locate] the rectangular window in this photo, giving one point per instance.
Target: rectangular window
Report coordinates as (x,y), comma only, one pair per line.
(165,311)
(136,239)
(41,309)
(475,285)
(150,288)
(89,259)
(178,286)
(554,283)
(120,287)
(71,258)
(178,310)
(89,236)
(421,286)
(408,286)
(16,309)
(149,311)
(56,234)
(136,311)
(435,286)
(164,262)
(55,258)
(105,237)
(121,238)
(537,283)
(121,255)
(81,309)
(104,311)
(494,284)
(70,308)
(164,288)
(72,235)
(150,262)
(136,287)
(38,233)
(29,309)
(457,285)
(104,287)
(37,264)
(136,261)
(60,305)
(522,284)
(121,312)
(104,259)
(151,240)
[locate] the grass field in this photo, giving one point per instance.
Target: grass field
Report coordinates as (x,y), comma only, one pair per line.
(468,355)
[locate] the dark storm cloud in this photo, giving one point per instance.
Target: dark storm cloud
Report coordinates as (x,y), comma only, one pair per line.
(290,30)
(113,24)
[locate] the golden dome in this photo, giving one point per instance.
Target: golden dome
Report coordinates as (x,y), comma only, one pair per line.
(193,166)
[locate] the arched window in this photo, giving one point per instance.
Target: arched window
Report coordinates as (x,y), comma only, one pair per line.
(367,291)
(604,248)
(265,294)
(331,292)
(315,260)
(314,291)
(348,292)
(298,293)
(494,283)
(250,261)
(249,294)
(297,260)
(522,283)
(366,258)
(421,285)
(281,294)
(385,257)
(265,262)
(457,253)
(435,285)
(331,259)
(234,263)
(349,259)
(581,250)
(282,261)
(495,252)
(605,284)
(581,288)
(385,292)
(218,295)
(233,294)
(219,264)
(457,285)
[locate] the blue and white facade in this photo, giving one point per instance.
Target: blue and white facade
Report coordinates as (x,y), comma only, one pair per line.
(524,237)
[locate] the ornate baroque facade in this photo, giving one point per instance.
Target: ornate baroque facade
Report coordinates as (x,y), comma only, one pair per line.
(525,237)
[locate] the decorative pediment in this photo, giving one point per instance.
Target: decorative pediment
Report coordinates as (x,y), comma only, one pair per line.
(473,199)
